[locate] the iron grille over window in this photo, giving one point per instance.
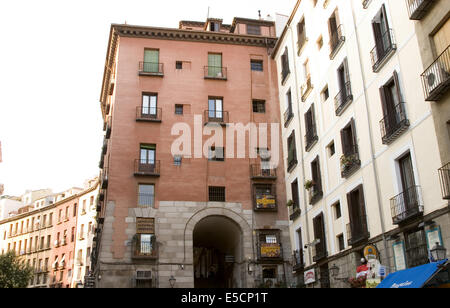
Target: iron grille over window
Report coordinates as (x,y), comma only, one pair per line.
(216,194)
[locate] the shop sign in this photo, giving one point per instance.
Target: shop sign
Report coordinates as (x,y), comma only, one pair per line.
(270,250)
(310,276)
(266,202)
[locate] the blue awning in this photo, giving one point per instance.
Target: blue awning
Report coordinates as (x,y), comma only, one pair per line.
(412,278)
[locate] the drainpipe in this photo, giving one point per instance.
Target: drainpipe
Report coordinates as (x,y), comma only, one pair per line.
(372,152)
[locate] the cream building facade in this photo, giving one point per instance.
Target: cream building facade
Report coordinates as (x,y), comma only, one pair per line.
(362,146)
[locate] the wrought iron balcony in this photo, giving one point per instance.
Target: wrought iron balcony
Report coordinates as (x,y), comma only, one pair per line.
(296,212)
(104,178)
(284,74)
(260,171)
(436,78)
(357,230)
(151,69)
(417,9)
(297,258)
(144,249)
(215,72)
(407,205)
(144,167)
(350,162)
(306,88)
(337,39)
(148,114)
(105,146)
(444,176)
(343,99)
(288,115)
(320,250)
(394,124)
(108,127)
(315,194)
(215,116)
(311,137)
(383,50)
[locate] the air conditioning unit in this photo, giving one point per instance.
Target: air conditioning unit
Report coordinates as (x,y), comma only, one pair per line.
(435,75)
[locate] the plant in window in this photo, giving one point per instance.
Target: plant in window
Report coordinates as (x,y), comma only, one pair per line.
(309,184)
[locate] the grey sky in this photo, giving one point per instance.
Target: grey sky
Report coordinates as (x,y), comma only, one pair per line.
(51,64)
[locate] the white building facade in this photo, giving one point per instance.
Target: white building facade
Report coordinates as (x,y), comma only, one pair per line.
(359,139)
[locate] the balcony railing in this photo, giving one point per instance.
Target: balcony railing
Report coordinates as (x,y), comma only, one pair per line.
(417,9)
(147,168)
(148,114)
(288,115)
(306,88)
(311,137)
(350,161)
(444,176)
(357,230)
(394,124)
(215,72)
(337,39)
(315,194)
(383,50)
(151,69)
(296,212)
(104,178)
(407,205)
(320,250)
(108,127)
(436,78)
(261,171)
(144,249)
(284,74)
(297,258)
(215,116)
(343,98)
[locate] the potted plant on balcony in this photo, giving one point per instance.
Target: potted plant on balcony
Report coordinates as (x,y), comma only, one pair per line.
(357,283)
(290,203)
(309,184)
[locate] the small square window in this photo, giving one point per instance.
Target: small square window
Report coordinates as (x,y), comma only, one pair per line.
(179,65)
(179,109)
(259,106)
(216,194)
(256,65)
(177,160)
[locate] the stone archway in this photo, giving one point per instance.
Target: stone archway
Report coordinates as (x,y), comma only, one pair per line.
(222,241)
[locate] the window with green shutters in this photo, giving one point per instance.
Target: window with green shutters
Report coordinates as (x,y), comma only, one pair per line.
(151,61)
(214,65)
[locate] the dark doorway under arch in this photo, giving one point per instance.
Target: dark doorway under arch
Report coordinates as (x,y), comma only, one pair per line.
(217,242)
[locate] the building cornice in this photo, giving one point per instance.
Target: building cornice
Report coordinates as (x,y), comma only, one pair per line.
(118,30)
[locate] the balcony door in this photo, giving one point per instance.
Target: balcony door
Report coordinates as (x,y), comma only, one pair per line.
(151,61)
(149,105)
(215,109)
(343,81)
(442,38)
(408,183)
(381,32)
(215,65)
(147,158)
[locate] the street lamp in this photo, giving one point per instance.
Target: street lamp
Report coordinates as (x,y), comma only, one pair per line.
(438,253)
(334,271)
(172,281)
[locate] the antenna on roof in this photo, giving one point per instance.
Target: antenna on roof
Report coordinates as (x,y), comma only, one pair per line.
(259,14)
(207,17)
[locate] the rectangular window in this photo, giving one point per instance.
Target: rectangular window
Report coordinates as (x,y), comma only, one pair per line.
(216,154)
(253,30)
(256,65)
(341,242)
(179,109)
(292,151)
(177,160)
(179,65)
(149,105)
(337,210)
(146,195)
(301,33)
(216,194)
(285,65)
(151,61)
(215,65)
(331,149)
(259,106)
(215,109)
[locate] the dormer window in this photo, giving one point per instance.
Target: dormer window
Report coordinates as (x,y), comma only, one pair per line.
(214,26)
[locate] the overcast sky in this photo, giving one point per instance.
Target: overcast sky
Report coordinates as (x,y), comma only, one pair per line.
(52,55)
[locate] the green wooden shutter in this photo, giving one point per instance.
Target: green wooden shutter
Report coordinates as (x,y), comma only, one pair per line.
(214,65)
(151,61)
